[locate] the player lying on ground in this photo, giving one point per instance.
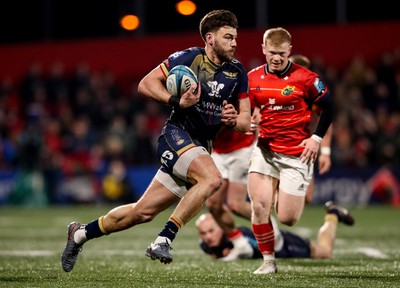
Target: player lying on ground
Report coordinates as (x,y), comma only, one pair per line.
(215,242)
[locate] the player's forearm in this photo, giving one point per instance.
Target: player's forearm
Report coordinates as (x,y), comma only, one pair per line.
(243,122)
(244,117)
(151,86)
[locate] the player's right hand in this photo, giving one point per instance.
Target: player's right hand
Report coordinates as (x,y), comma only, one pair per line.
(191,97)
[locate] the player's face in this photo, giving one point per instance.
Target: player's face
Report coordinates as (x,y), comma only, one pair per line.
(210,232)
(224,43)
(277,56)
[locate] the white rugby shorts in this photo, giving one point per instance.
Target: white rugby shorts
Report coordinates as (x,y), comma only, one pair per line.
(234,166)
(175,183)
(294,176)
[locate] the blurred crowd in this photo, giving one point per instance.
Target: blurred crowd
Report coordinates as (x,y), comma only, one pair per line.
(81,130)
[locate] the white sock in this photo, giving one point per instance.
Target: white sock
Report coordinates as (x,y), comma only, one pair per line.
(80,235)
(269,257)
(239,241)
(162,239)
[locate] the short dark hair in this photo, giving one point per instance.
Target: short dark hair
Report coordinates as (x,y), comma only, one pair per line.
(301,60)
(216,19)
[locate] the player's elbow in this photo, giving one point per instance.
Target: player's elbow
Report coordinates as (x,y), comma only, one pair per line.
(142,87)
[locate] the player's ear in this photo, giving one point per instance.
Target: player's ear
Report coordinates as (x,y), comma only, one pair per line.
(210,38)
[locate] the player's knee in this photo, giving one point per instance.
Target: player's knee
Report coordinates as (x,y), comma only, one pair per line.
(288,220)
(213,204)
(233,206)
(259,208)
(214,183)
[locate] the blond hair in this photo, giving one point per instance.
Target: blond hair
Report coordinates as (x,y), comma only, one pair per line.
(277,36)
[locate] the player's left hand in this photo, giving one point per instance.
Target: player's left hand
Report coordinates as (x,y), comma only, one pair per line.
(229,114)
(324,163)
(310,152)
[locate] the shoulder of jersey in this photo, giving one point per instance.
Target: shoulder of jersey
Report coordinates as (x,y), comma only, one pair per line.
(256,69)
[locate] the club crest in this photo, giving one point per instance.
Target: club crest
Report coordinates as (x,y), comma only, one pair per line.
(288,90)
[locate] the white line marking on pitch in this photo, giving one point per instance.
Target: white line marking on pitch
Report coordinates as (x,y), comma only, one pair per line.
(368,251)
(36,253)
(372,252)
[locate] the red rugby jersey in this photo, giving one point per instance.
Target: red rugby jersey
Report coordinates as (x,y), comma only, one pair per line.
(285,102)
(228,140)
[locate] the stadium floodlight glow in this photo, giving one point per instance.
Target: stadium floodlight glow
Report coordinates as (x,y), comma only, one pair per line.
(186,7)
(130,22)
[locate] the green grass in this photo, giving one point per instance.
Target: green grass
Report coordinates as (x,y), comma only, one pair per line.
(32,241)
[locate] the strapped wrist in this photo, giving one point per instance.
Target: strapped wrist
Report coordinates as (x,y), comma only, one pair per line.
(316,138)
(174,101)
(325,151)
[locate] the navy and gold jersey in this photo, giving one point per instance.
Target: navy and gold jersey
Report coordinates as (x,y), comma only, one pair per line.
(293,246)
(217,252)
(218,83)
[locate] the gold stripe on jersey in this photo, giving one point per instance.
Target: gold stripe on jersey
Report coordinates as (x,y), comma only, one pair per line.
(184,149)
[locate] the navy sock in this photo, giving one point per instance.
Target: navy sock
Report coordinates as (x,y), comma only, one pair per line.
(169,230)
(337,213)
(93,230)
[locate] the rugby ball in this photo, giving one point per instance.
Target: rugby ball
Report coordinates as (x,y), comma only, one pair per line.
(179,80)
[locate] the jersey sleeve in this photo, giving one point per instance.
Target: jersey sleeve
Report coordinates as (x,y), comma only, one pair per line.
(316,88)
(243,83)
(184,57)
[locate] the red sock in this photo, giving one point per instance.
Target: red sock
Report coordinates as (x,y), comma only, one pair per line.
(264,234)
(234,234)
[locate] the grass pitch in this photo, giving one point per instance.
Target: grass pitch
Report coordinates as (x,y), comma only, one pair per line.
(32,240)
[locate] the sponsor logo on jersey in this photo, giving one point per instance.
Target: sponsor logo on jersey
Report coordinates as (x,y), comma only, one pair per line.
(180,141)
(288,90)
(319,85)
(175,55)
(231,75)
(215,88)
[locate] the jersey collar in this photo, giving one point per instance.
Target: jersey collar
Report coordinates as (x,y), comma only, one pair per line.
(279,73)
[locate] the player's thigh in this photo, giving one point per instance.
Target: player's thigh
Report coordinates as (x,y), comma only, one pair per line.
(310,191)
(156,198)
(236,194)
(261,190)
(289,207)
(183,157)
(263,177)
(202,169)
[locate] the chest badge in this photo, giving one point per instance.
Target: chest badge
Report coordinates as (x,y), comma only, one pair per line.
(288,90)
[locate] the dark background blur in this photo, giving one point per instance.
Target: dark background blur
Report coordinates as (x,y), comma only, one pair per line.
(73,128)
(39,20)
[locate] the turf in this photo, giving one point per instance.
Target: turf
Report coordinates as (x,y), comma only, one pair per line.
(366,255)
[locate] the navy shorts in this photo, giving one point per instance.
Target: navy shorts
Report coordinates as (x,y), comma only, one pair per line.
(172,144)
(294,246)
